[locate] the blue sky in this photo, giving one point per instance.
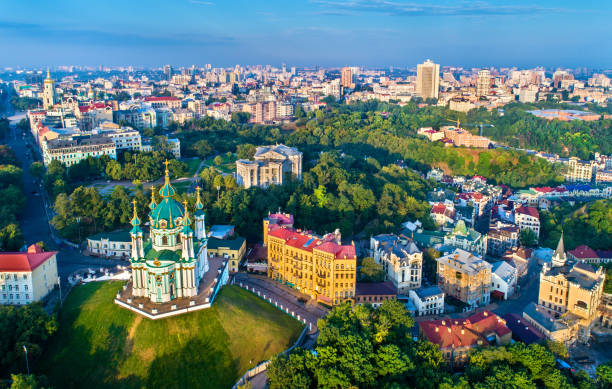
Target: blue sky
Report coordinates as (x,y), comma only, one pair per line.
(306,32)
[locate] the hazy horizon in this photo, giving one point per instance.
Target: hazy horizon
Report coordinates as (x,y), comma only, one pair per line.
(329,33)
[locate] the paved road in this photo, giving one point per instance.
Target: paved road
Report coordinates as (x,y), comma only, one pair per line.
(34,221)
(284,295)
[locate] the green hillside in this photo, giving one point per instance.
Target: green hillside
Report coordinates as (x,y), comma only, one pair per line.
(100,345)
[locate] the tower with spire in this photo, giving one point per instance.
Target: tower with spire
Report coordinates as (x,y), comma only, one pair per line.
(172,261)
(200,227)
(559,257)
(49,96)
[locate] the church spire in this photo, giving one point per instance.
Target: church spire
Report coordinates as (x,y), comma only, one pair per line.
(559,258)
(48,74)
(198,205)
(135,222)
(167,190)
(152,204)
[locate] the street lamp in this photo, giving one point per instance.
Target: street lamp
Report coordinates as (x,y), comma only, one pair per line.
(218,189)
(26,356)
(78,220)
(59,282)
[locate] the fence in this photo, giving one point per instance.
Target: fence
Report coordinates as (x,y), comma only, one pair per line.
(278,305)
(263,366)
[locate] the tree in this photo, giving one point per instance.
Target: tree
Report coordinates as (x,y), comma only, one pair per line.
(245,151)
(202,148)
(557,348)
(37,169)
(604,375)
(11,238)
(371,271)
(20,326)
(528,238)
(218,160)
(24,381)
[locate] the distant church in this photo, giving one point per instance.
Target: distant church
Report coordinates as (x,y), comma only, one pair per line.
(173,260)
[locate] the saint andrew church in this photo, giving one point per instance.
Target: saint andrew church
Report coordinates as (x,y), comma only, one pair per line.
(173,260)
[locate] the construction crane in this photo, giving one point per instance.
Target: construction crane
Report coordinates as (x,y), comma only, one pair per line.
(479,125)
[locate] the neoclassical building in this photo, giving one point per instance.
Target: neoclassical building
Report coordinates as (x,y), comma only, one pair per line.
(269,167)
(172,261)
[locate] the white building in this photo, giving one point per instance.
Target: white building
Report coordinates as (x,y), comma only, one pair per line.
(427,301)
(503,279)
(401,260)
(116,244)
(125,138)
(528,217)
(27,277)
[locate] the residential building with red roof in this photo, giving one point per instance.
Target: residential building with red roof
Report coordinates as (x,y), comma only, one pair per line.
(320,267)
(456,337)
(527,218)
(163,101)
(27,277)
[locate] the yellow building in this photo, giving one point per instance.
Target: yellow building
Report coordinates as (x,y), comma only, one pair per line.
(574,290)
(26,277)
(466,277)
(232,249)
(319,267)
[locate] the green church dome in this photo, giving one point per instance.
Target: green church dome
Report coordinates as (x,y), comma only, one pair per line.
(169,212)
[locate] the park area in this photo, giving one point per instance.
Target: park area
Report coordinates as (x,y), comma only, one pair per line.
(100,345)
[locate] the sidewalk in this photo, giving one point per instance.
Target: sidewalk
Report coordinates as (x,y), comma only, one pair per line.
(283,295)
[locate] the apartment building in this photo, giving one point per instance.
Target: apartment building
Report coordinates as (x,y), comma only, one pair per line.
(461,137)
(465,276)
(269,166)
(427,301)
(579,171)
(428,80)
(501,238)
(465,238)
(70,151)
(456,337)
(401,260)
(320,267)
(125,138)
(527,218)
(27,277)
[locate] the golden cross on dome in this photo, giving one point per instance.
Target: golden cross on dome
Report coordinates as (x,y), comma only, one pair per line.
(166,163)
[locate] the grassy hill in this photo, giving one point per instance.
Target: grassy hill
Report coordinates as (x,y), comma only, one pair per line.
(100,345)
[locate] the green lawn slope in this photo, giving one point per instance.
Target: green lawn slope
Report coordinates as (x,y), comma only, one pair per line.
(100,345)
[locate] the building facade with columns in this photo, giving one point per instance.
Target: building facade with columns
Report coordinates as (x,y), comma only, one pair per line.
(172,261)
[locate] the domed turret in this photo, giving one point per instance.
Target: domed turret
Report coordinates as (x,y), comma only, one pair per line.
(169,212)
(135,222)
(152,204)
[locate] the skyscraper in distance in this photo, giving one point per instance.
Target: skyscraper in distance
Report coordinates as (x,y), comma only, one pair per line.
(347,78)
(483,83)
(428,80)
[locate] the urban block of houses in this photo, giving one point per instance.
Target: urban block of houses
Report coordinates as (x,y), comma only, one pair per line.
(456,337)
(401,260)
(27,277)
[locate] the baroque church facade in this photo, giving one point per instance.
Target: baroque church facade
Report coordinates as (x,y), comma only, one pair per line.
(172,260)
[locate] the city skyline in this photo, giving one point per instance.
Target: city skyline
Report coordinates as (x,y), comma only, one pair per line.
(306,33)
